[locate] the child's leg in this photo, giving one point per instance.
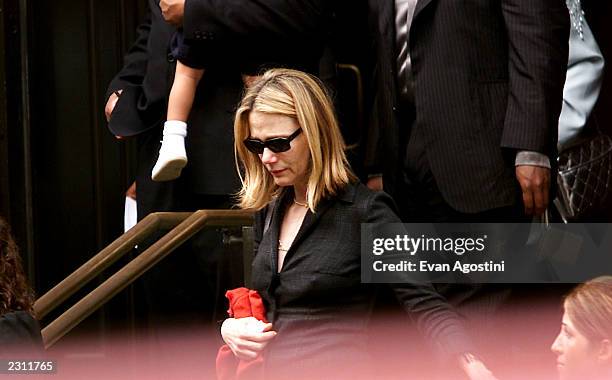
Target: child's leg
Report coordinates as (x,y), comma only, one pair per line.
(172,156)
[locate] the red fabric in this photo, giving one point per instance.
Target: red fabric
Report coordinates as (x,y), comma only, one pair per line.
(243,303)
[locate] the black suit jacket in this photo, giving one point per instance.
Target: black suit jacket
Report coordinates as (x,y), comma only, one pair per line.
(258,34)
(488,82)
(317,302)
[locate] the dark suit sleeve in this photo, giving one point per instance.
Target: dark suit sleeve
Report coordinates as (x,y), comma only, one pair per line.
(135,61)
(217,19)
(434,316)
(538,35)
(258,34)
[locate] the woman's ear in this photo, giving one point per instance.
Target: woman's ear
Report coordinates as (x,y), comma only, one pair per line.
(605,351)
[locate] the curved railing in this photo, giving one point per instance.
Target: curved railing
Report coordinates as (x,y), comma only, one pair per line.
(183,226)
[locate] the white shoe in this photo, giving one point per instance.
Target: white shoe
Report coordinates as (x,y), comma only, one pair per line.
(172,155)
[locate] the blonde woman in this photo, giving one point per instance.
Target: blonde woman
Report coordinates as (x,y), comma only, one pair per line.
(307,239)
(584,344)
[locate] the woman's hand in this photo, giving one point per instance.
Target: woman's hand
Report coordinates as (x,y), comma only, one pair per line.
(246,337)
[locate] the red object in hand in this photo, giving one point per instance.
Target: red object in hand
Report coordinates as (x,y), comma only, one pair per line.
(243,303)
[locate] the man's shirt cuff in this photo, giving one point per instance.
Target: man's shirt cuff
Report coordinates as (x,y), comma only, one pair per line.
(530,158)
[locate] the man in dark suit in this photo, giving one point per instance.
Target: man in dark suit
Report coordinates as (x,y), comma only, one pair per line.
(467,104)
(464,121)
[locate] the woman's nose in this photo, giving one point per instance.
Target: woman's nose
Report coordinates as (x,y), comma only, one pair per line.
(556,346)
(268,157)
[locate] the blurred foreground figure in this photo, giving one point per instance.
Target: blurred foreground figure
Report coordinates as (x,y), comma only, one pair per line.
(584,345)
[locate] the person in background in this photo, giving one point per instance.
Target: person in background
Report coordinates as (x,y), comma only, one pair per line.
(458,137)
(584,344)
(19,329)
(463,127)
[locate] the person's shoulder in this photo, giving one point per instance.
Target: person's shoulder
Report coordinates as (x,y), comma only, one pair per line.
(360,196)
(360,192)
(19,330)
(16,318)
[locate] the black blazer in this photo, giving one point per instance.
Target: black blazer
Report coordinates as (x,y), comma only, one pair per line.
(317,302)
(259,34)
(488,81)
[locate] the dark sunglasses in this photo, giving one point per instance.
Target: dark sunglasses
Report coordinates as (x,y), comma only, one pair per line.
(277,144)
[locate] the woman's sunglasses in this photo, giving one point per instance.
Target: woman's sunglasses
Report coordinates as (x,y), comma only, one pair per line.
(276,145)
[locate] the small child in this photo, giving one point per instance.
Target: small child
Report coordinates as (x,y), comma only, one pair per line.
(172,155)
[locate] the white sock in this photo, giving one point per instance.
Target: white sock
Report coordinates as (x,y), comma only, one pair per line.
(172,155)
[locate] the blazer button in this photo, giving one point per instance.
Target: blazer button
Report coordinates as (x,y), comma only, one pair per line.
(171,58)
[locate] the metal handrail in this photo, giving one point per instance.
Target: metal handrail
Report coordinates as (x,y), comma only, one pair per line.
(139,265)
(105,258)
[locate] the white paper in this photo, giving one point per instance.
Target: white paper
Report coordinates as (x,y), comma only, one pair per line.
(130,216)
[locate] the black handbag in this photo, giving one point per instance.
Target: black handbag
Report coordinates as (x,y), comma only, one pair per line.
(584,178)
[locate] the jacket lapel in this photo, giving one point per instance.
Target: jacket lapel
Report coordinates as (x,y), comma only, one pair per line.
(311,220)
(274,230)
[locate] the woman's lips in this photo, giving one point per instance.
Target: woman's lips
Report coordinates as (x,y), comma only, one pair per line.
(277,172)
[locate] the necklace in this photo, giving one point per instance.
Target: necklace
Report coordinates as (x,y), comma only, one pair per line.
(303,204)
(282,247)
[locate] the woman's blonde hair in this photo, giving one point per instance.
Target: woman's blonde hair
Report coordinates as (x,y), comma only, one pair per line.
(589,307)
(302,97)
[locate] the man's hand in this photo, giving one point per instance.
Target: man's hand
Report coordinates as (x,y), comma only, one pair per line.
(375,183)
(535,182)
(131,191)
(173,10)
(110,106)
